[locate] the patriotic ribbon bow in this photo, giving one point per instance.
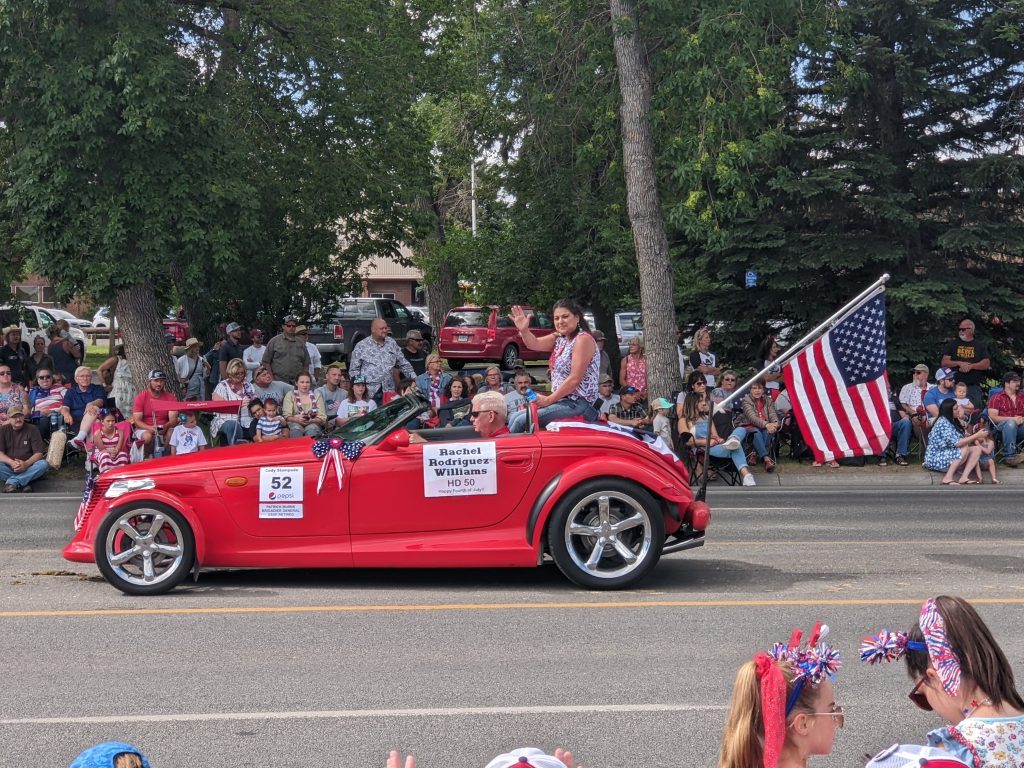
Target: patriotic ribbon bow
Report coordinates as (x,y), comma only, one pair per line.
(940,652)
(883,646)
(813,663)
(331,449)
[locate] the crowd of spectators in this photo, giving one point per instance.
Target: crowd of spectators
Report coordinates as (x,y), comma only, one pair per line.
(283,390)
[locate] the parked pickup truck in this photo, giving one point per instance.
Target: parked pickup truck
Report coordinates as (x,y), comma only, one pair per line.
(349,323)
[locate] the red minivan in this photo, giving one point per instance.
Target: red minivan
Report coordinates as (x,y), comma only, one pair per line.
(487,334)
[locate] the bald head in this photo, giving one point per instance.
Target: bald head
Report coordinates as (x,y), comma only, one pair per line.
(379,330)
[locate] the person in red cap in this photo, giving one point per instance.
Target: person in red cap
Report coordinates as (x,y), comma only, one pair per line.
(783,706)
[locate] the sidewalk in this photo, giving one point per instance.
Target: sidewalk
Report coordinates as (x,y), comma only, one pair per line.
(804,475)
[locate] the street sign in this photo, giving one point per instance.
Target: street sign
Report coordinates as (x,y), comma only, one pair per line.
(751,279)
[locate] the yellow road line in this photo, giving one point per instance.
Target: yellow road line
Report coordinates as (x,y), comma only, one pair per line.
(440,607)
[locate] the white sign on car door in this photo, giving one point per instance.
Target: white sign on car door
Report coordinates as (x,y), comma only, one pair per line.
(460,469)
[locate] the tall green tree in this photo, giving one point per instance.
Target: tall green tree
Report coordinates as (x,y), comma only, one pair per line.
(900,154)
(200,147)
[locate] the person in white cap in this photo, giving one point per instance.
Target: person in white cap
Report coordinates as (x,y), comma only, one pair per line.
(913,756)
(943,390)
(191,369)
(231,348)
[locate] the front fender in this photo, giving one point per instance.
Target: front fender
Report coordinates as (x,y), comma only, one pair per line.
(655,481)
(81,549)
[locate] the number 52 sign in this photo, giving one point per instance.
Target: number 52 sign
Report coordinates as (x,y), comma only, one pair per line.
(280,484)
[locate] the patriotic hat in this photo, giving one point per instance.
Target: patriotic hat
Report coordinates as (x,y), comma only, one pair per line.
(526,757)
(914,756)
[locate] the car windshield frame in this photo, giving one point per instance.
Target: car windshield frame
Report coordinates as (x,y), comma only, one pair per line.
(374,426)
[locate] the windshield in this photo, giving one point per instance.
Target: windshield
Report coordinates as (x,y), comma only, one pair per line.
(377,423)
(467,318)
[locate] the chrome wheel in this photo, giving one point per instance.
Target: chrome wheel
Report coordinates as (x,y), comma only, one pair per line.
(145,548)
(608,535)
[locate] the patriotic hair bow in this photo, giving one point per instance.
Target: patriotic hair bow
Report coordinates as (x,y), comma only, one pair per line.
(813,663)
(331,449)
(940,652)
(887,646)
(890,646)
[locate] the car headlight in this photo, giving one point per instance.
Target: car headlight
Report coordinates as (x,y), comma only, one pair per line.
(119,488)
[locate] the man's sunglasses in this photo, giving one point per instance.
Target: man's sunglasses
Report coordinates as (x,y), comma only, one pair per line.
(919,697)
(478,414)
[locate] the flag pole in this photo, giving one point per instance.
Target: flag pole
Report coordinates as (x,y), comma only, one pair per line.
(810,337)
(782,360)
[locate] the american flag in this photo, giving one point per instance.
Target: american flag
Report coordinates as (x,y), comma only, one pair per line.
(839,387)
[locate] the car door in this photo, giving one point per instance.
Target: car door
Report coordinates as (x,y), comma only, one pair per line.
(279,498)
(399,491)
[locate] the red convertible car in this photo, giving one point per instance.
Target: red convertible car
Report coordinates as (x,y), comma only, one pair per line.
(604,506)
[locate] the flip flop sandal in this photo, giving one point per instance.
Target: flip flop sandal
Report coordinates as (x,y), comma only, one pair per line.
(950,482)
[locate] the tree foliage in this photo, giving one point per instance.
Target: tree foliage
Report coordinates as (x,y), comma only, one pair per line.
(242,156)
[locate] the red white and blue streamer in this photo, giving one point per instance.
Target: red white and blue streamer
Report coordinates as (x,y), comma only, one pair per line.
(331,450)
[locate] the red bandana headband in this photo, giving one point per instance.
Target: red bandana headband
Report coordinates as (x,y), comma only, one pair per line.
(773,707)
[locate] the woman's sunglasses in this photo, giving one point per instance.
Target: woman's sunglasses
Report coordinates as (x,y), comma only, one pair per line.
(919,697)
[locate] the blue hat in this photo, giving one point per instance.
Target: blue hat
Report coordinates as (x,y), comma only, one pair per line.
(103,755)
(359,379)
(944,373)
(630,391)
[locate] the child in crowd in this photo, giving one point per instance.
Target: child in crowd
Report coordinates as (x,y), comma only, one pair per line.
(110,444)
(187,437)
(961,674)
(661,425)
(359,402)
(256,412)
(961,398)
(270,426)
(783,706)
(406,387)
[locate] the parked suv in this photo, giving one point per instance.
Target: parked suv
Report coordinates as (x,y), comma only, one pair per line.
(487,334)
(349,323)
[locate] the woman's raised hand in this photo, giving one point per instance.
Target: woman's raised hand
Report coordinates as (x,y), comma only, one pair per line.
(520,318)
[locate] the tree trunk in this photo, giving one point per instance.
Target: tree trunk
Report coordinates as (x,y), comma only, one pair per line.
(139,322)
(442,284)
(643,202)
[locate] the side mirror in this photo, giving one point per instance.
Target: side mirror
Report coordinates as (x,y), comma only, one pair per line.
(396,440)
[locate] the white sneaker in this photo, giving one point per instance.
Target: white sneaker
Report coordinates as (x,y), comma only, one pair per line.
(731,444)
(748,480)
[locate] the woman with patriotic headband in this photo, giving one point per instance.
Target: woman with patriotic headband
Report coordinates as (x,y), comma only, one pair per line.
(783,706)
(961,673)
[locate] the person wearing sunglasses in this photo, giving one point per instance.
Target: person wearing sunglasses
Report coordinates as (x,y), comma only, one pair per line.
(45,401)
(488,414)
(783,707)
(11,393)
(970,359)
(960,673)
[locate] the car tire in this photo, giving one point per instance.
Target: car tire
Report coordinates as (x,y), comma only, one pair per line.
(509,356)
(428,346)
(587,538)
(170,556)
(456,365)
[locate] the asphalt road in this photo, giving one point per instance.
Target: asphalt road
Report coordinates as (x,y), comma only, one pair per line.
(266,668)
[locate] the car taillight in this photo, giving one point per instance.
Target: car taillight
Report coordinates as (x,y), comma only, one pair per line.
(339,332)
